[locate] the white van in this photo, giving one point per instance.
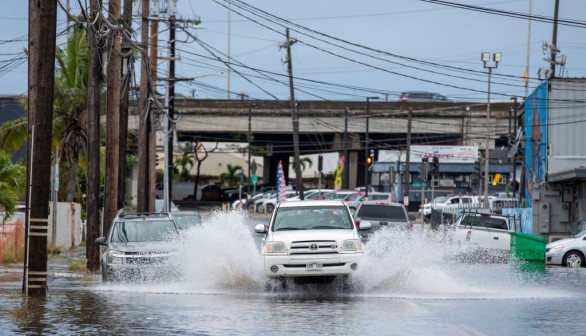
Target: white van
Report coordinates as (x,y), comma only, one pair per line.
(483,231)
(181,191)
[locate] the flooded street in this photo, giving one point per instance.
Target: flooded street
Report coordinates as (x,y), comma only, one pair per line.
(406,286)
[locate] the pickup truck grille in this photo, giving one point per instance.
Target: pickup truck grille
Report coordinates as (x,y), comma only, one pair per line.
(314,247)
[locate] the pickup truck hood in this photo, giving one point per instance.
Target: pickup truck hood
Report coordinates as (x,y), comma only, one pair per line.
(313,235)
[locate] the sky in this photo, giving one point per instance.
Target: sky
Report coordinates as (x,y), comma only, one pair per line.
(345,50)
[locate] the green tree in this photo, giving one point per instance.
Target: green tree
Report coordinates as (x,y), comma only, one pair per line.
(70,112)
(303,162)
(231,177)
(185,162)
(12,183)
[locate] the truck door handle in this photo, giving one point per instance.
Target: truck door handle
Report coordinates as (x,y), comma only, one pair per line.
(495,238)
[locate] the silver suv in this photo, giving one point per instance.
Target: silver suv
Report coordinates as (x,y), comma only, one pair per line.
(381,215)
(136,246)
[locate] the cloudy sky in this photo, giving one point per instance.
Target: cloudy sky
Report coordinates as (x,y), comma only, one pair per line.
(346,50)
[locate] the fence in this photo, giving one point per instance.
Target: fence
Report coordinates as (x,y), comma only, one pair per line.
(12,241)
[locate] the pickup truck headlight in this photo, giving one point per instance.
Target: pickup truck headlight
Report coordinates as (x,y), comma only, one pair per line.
(115,257)
(352,245)
(276,247)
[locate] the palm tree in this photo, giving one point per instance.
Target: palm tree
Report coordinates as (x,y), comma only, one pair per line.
(70,111)
(12,183)
(231,177)
(302,162)
(185,162)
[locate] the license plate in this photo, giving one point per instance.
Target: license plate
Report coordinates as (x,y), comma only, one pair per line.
(313,266)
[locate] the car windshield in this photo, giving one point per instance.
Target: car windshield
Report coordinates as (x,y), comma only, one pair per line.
(312,218)
(381,211)
(353,197)
(185,221)
(142,231)
(439,199)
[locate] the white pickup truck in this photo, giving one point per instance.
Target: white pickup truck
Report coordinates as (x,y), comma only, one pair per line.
(485,233)
(445,203)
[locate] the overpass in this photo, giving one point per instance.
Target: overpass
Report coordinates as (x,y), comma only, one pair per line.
(323,125)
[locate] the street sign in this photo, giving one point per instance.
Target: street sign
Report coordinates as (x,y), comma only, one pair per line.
(254,179)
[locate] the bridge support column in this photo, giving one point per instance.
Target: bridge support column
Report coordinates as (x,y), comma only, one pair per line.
(270,168)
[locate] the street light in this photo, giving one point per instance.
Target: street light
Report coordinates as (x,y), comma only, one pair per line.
(485,58)
(366,149)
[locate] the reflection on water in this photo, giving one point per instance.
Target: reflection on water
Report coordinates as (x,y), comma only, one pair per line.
(407,283)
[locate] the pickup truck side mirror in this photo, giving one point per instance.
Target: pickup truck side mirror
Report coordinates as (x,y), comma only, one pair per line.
(101,241)
(260,228)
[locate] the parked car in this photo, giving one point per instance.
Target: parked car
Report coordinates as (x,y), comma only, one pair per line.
(311,239)
(182,191)
(338,194)
(187,219)
(450,204)
(211,193)
(381,215)
(422,96)
(271,203)
(567,252)
(135,246)
(485,236)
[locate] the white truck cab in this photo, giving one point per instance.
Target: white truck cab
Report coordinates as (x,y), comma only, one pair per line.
(483,231)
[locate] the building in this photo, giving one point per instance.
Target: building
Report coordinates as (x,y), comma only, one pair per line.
(554,185)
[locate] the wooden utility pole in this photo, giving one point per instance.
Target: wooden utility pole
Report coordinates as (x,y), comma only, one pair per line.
(407,174)
(171,108)
(294,115)
(144,116)
(41,84)
(554,39)
(93,145)
(112,119)
(154,50)
(124,98)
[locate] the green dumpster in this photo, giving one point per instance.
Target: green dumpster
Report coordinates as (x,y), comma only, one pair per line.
(527,252)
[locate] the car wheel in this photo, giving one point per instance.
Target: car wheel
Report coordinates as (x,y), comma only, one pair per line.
(270,208)
(573,259)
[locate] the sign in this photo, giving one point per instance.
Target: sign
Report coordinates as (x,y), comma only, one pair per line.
(339,171)
(254,179)
(445,153)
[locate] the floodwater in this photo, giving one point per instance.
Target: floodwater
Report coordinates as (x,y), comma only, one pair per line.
(406,285)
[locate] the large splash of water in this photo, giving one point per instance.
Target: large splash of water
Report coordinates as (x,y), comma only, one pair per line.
(222,256)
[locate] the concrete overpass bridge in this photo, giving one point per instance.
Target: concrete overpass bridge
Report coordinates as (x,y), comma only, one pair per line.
(322,126)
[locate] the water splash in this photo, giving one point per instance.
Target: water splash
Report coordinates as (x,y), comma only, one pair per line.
(222,257)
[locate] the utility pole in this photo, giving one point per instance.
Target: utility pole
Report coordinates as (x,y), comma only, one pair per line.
(554,39)
(171,110)
(407,174)
(112,119)
(93,147)
(154,50)
(144,116)
(346,174)
(294,115)
(127,60)
(41,84)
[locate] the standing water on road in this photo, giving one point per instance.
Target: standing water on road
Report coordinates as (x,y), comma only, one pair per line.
(408,283)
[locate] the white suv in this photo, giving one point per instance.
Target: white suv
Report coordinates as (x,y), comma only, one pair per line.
(311,239)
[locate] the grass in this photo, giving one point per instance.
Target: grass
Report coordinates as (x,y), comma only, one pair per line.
(12,252)
(78,265)
(54,250)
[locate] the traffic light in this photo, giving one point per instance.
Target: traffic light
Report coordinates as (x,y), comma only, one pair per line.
(477,167)
(370,159)
(496,180)
(423,170)
(320,163)
(435,168)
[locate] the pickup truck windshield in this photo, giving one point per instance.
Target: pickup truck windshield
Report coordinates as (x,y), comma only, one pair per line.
(312,218)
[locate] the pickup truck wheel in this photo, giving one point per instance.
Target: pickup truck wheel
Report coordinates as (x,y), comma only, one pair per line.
(573,259)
